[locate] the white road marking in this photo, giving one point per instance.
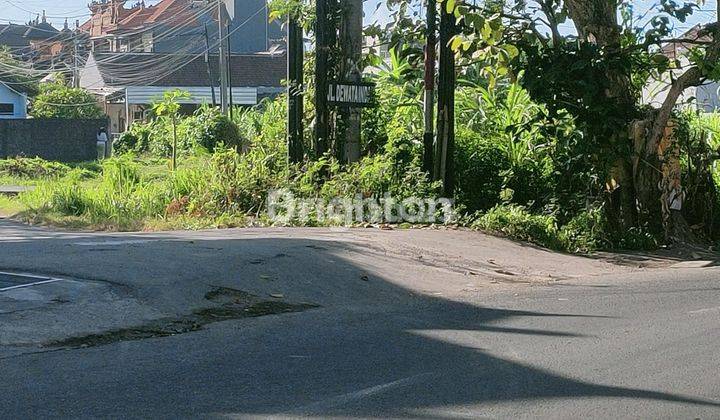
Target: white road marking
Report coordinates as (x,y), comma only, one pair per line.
(22,286)
(702,311)
(28,275)
(361,394)
(116,242)
(41,280)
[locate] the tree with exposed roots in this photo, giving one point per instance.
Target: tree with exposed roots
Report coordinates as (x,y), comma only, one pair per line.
(597,74)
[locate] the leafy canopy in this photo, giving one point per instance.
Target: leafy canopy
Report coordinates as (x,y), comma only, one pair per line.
(12,72)
(56,100)
(169,105)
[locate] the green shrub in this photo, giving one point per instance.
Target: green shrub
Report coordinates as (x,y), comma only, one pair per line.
(121,198)
(135,140)
(264,125)
(480,166)
(56,100)
(67,198)
(517,223)
(127,142)
(21,167)
(373,176)
(503,149)
(209,128)
(586,232)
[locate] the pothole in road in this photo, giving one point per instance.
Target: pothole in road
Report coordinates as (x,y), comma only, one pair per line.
(229,304)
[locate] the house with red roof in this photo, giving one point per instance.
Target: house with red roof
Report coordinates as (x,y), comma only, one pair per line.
(138,52)
(174,26)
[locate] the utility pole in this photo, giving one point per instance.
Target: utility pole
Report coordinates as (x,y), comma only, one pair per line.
(352,42)
(76,53)
(295,90)
(430,47)
(222,37)
(229,75)
(444,165)
(76,62)
(322,113)
(209,68)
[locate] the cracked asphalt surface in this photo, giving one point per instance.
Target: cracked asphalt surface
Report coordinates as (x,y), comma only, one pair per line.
(398,324)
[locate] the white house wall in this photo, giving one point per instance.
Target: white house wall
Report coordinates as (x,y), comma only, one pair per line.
(90,77)
(704,98)
(198,95)
(655,92)
(17,100)
(707,97)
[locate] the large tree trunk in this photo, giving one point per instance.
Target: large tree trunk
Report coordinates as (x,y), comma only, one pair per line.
(657,171)
(646,172)
(658,179)
(322,53)
(649,181)
(596,23)
(295,91)
(620,199)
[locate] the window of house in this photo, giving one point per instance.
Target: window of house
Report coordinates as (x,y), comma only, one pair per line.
(148,42)
(7,109)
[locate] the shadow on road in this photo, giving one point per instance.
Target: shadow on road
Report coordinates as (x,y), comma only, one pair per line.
(376,348)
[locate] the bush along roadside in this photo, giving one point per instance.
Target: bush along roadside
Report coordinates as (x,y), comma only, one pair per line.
(519,173)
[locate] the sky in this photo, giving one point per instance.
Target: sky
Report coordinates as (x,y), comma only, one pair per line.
(20,11)
(23,10)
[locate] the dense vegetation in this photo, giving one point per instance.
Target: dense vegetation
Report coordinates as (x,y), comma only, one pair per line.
(552,145)
(57,100)
(516,174)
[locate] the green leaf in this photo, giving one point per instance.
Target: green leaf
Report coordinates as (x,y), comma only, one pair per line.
(449,6)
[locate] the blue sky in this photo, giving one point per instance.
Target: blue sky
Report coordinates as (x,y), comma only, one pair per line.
(23,10)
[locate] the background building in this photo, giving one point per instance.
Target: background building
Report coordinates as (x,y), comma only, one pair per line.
(175,25)
(13,102)
(704,97)
(127,96)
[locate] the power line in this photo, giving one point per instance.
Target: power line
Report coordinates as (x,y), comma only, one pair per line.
(163,36)
(184,61)
(177,64)
(12,3)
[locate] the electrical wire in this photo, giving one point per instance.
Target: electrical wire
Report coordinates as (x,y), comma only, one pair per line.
(182,60)
(170,33)
(187,59)
(211,4)
(12,3)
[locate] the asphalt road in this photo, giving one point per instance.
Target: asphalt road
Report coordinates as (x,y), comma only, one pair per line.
(408,325)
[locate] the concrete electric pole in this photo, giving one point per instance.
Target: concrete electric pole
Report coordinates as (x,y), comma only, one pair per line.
(223,19)
(430,55)
(352,43)
(322,112)
(444,156)
(295,90)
